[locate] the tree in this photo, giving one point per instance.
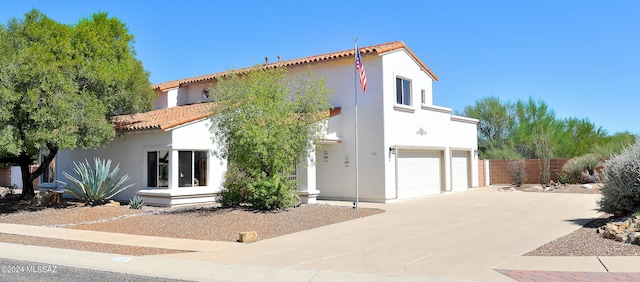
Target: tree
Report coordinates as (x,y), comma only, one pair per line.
(263,123)
(532,119)
(579,137)
(613,144)
(59,84)
(495,126)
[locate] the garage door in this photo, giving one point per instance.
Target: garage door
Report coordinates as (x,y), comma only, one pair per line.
(419,173)
(459,170)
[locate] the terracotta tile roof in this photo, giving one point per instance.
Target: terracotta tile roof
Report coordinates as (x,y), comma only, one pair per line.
(377,49)
(162,119)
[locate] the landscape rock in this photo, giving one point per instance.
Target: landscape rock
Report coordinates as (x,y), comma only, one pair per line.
(624,230)
(248,237)
(634,238)
(47,198)
(113,203)
(535,188)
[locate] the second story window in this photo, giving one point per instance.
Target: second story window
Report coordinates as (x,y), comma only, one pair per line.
(423,95)
(403,91)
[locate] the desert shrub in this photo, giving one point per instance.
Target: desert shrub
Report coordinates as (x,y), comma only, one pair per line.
(257,189)
(563,177)
(621,190)
(517,172)
(585,164)
(234,189)
(585,177)
(269,193)
(95,186)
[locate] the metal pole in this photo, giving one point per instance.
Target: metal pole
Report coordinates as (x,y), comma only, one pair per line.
(356,80)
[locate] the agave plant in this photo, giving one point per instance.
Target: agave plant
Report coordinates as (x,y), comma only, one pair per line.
(136,203)
(95,186)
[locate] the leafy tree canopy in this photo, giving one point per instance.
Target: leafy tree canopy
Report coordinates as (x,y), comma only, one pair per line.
(60,83)
(530,129)
(263,123)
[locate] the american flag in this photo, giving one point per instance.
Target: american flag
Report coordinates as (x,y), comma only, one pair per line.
(360,68)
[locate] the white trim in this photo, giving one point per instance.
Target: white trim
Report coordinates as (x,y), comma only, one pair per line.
(403,108)
(465,119)
(436,109)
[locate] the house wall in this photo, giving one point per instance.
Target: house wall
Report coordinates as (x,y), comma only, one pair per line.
(421,125)
(161,100)
(128,150)
(376,107)
(336,162)
(196,136)
(193,93)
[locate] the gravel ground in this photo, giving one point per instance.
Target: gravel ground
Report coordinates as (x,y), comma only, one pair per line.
(212,223)
(584,241)
(200,223)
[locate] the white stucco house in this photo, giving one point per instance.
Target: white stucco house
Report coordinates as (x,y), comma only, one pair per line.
(408,147)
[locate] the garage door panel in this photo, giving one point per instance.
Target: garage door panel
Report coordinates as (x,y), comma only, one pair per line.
(460,170)
(419,173)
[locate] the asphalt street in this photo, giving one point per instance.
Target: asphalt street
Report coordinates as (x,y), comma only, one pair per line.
(16,270)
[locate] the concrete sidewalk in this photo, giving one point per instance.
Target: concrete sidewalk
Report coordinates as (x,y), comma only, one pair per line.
(473,235)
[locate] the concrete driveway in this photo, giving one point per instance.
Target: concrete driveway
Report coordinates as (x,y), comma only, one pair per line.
(459,236)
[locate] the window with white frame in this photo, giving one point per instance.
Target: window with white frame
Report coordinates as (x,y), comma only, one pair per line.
(49,174)
(423,96)
(158,168)
(403,91)
(192,168)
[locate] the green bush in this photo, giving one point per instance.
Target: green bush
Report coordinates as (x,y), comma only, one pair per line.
(563,177)
(257,190)
(272,193)
(234,189)
(95,186)
(517,172)
(582,169)
(621,190)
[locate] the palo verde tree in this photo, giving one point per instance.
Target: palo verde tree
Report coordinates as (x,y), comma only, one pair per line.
(263,123)
(60,84)
(497,121)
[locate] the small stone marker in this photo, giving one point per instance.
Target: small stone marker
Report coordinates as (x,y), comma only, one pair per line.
(248,237)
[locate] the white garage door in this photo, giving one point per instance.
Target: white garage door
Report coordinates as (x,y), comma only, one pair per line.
(459,170)
(419,173)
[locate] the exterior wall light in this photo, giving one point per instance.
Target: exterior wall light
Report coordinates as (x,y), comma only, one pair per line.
(392,150)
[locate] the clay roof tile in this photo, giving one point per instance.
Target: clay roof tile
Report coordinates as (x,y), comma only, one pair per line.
(377,49)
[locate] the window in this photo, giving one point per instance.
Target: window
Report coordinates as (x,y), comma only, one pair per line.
(192,167)
(49,175)
(158,168)
(403,91)
(294,172)
(423,96)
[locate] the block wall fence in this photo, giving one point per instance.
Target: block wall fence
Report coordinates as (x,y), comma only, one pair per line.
(499,170)
(7,179)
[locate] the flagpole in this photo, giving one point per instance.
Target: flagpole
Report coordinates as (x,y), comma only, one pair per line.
(355,71)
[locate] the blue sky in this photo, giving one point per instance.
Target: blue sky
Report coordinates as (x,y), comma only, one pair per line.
(580,57)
